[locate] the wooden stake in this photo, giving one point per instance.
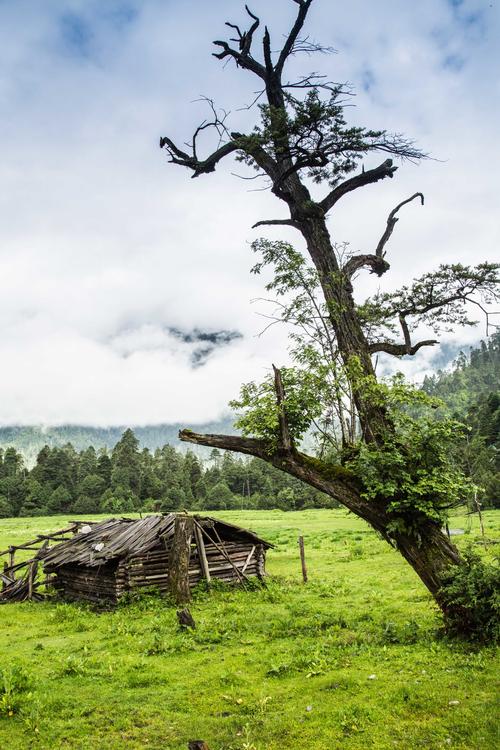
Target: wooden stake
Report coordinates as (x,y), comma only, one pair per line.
(303,558)
(478,506)
(178,564)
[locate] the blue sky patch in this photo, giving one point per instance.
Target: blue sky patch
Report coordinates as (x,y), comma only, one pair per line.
(76,34)
(454,63)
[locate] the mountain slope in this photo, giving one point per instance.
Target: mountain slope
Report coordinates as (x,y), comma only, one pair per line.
(29,440)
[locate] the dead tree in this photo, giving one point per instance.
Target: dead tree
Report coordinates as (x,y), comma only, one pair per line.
(303,137)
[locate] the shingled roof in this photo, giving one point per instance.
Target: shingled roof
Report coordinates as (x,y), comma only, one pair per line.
(117,538)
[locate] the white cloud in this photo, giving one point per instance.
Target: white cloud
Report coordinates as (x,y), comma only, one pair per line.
(104,246)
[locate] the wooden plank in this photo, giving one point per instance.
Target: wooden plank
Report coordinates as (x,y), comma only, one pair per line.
(202,553)
(222,550)
(248,559)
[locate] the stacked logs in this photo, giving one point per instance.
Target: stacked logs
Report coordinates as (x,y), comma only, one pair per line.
(99,585)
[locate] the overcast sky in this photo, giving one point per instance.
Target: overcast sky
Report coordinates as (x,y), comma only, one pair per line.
(112,261)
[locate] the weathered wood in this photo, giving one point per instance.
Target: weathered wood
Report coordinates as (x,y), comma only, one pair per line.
(30,581)
(221,550)
(180,554)
(107,561)
(202,552)
(185,618)
(303,559)
(247,561)
(286,443)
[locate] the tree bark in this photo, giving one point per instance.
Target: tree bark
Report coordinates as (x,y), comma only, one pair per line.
(178,565)
(337,290)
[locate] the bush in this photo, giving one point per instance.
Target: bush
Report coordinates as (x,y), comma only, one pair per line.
(471,601)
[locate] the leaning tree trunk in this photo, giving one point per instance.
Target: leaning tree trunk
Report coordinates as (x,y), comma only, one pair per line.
(430,556)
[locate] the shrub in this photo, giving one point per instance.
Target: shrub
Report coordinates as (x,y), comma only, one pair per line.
(471,601)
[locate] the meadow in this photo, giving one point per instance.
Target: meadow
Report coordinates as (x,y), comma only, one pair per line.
(352,659)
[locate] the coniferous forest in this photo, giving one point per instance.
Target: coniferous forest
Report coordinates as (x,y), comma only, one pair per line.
(130,478)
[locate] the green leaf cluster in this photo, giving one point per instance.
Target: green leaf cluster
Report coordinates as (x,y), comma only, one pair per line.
(258,411)
(413,471)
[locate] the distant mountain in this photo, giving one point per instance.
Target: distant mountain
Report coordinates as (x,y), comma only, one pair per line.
(29,440)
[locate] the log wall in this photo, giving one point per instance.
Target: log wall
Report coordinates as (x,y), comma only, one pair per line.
(106,584)
(96,585)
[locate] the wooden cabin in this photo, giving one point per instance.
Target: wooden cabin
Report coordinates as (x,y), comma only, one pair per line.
(105,560)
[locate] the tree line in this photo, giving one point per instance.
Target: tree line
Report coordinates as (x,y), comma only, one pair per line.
(127,479)
(472,394)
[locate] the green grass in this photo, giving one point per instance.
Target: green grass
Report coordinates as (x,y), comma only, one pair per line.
(350,660)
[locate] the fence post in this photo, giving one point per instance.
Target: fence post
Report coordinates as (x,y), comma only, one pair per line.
(303,558)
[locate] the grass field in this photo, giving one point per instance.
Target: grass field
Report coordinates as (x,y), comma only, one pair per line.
(350,660)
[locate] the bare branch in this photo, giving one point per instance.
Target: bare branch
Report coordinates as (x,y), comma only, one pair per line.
(386,169)
(376,262)
(249,446)
(313,81)
(191,162)
(266,42)
(286,442)
(310,47)
(391,223)
(398,350)
(277,222)
(242,55)
(304,6)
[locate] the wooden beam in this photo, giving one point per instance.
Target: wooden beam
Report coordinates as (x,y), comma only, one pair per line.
(248,559)
(222,550)
(202,553)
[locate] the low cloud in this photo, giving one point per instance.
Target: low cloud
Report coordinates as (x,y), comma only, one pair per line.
(124,285)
